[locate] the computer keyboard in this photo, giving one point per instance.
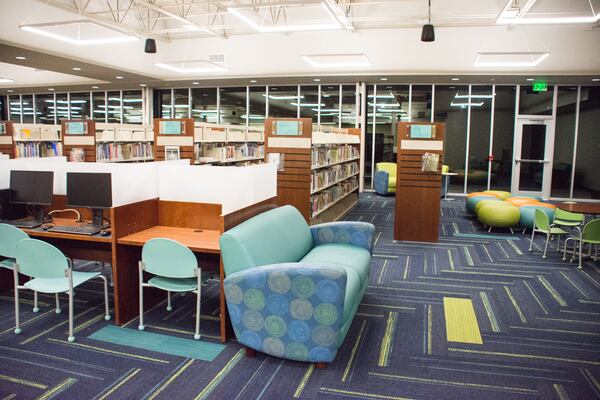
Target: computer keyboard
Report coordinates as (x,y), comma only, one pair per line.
(24,223)
(84,229)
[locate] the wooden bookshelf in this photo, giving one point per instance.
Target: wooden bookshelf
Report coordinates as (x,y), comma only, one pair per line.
(119,143)
(319,172)
(86,141)
(36,140)
(6,139)
(183,140)
(220,144)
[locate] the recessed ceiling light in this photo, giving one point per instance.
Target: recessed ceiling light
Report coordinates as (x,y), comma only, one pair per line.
(142,84)
(317,80)
(384,79)
(21,58)
(596,80)
(119,77)
(6,80)
(510,59)
(454,79)
(94,87)
(83,27)
(50,89)
(529,79)
(252,81)
(10,90)
(195,83)
(76,68)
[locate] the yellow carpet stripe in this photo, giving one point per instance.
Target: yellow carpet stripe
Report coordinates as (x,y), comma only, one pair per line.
(462,280)
(29,321)
(120,383)
(415,290)
(353,352)
(556,330)
(552,291)
(502,250)
(387,342)
(429,330)
(536,298)
(107,351)
(220,375)
(304,381)
(23,382)
(514,246)
(515,305)
(487,273)
(576,286)
(527,356)
(468,257)
(370,315)
(22,300)
(362,394)
(592,380)
(461,321)
(377,237)
(450,260)
(490,312)
(443,284)
(171,379)
(382,272)
(10,396)
(487,253)
(88,323)
(452,383)
(31,339)
(560,391)
(57,389)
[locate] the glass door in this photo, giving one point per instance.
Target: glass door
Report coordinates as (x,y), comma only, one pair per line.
(534,141)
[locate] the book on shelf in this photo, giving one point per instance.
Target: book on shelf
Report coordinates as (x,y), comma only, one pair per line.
(325,198)
(38,149)
(331,154)
(324,177)
(123,151)
(221,152)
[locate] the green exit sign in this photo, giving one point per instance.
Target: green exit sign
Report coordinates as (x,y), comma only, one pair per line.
(540,86)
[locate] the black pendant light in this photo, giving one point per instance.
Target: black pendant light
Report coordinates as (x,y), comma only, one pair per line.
(150,46)
(428,34)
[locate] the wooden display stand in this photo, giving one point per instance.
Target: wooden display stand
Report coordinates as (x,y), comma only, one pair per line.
(6,139)
(183,141)
(418,193)
(87,141)
(296,184)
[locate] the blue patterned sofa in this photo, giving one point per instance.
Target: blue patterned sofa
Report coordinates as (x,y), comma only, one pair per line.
(292,290)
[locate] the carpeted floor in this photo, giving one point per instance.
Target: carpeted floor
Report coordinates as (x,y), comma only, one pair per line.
(534,333)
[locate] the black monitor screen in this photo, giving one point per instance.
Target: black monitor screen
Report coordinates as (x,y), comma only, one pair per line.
(91,190)
(31,187)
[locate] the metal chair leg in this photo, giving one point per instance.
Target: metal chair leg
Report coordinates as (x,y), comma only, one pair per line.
(198,305)
(546,246)
(36,308)
(71,337)
(580,266)
(169,308)
(531,240)
(17,318)
(141,326)
(57,310)
(106,313)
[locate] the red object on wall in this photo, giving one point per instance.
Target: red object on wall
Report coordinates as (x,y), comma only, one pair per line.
(491,157)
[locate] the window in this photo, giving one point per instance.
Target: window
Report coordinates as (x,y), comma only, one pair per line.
(479,138)
(258,105)
(232,105)
(504,132)
(162,103)
(330,105)
(3,111)
(27,108)
(44,108)
(61,107)
(99,105)
(204,104)
(451,108)
(421,103)
(564,136)
(587,161)
(181,106)
(14,104)
(114,107)
(280,101)
(535,103)
(349,113)
(80,105)
(132,107)
(309,102)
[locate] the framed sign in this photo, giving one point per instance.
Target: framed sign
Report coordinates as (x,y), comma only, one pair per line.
(287,128)
(170,128)
(3,129)
(171,153)
(422,131)
(75,128)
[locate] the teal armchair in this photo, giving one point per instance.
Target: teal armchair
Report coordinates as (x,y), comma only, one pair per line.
(293,290)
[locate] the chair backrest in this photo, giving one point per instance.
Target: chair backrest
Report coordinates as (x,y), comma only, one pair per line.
(445,169)
(541,220)
(388,167)
(591,230)
(563,215)
(9,237)
(39,259)
(169,258)
(276,236)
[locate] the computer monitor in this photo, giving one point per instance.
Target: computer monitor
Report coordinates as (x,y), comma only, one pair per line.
(33,188)
(90,190)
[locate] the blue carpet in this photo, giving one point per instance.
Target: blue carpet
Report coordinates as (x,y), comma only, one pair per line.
(487,236)
(166,344)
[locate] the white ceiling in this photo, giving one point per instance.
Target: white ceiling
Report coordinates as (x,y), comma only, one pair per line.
(386,31)
(26,76)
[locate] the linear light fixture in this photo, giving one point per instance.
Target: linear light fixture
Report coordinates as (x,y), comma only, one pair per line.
(180,66)
(382,96)
(307,104)
(284,97)
(385,104)
(286,28)
(6,80)
(514,15)
(38,29)
(337,60)
(387,110)
(479,104)
(510,59)
(474,96)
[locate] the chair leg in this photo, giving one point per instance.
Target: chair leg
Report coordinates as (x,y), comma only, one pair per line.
(71,337)
(565,249)
(557,242)
(106,313)
(198,305)
(17,319)
(141,326)
(580,266)
(57,310)
(36,308)
(546,246)
(531,240)
(169,308)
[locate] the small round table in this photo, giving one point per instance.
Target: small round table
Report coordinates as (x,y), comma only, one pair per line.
(581,208)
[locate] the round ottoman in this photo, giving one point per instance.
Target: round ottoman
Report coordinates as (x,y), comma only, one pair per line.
(499,216)
(482,203)
(472,201)
(474,194)
(531,196)
(501,194)
(528,214)
(521,201)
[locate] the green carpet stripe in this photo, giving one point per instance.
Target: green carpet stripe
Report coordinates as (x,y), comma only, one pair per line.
(484,236)
(156,342)
(220,375)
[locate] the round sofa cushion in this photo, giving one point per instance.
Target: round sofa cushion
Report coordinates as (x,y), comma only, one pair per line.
(502,195)
(472,201)
(521,201)
(528,214)
(475,194)
(482,203)
(500,216)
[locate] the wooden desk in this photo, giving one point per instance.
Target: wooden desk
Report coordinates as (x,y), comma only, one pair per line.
(581,208)
(198,240)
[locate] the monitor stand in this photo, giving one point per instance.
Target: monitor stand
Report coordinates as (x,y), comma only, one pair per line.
(37,220)
(97,217)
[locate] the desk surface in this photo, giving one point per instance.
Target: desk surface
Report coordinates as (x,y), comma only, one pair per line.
(205,241)
(582,208)
(39,232)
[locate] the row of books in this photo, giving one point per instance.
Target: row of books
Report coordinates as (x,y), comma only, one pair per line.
(230,152)
(327,197)
(324,177)
(123,151)
(38,149)
(326,155)
(49,132)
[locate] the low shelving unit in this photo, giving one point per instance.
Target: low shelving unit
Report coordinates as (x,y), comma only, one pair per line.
(124,143)
(219,144)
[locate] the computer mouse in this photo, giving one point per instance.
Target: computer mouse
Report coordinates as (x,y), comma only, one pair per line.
(46,227)
(104,233)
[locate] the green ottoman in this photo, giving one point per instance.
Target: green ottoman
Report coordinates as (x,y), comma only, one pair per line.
(499,216)
(472,202)
(533,196)
(500,193)
(528,215)
(486,201)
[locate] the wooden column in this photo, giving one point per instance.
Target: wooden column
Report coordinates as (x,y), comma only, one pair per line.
(418,193)
(87,142)
(185,140)
(7,145)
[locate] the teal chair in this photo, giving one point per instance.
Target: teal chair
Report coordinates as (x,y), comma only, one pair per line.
(175,269)
(541,223)
(590,235)
(51,272)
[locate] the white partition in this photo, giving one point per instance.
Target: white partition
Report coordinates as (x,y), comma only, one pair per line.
(232,187)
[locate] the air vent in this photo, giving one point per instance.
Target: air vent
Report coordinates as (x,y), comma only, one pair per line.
(216,58)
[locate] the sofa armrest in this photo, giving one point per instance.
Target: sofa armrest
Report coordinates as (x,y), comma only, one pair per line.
(382,179)
(291,310)
(350,232)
